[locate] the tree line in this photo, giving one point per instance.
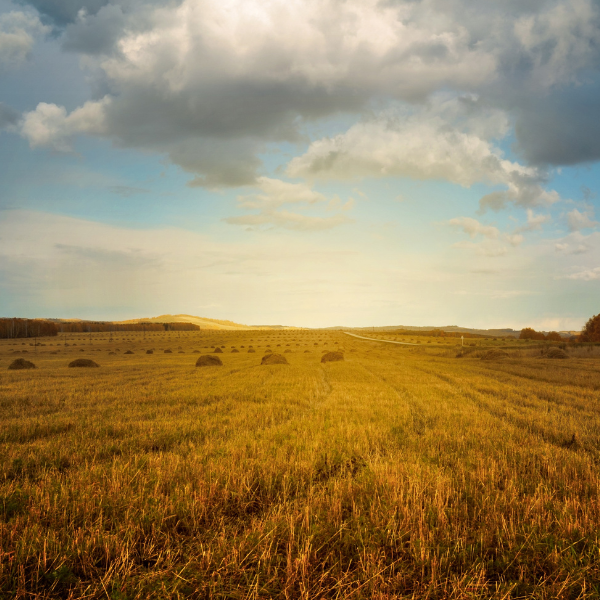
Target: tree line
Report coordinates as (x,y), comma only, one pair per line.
(30,328)
(589,333)
(27,328)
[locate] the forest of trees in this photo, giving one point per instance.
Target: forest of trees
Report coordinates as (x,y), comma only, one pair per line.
(27,328)
(30,328)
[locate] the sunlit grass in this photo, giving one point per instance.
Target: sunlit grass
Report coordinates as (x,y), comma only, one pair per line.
(402,472)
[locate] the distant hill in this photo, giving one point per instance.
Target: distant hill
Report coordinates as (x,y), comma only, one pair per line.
(202,322)
(448,328)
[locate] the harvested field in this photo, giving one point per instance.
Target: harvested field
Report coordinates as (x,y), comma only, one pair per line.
(400,472)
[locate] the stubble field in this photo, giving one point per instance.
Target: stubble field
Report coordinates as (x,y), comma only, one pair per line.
(401,472)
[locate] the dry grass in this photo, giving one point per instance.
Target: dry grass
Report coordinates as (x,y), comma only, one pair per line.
(398,473)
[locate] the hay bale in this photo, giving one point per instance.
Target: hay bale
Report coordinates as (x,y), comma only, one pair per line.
(250,350)
(195,351)
(129,352)
(332,357)
(149,351)
(287,350)
(234,350)
(273,359)
(494,354)
(307,351)
(217,350)
(21,363)
(556,353)
(112,353)
(208,360)
(83,362)
(168,352)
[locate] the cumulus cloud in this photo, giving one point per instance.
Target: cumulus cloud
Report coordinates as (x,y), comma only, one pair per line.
(534,221)
(50,125)
(274,193)
(493,246)
(577,220)
(586,274)
(189,76)
(211,82)
(578,243)
(450,140)
(473,227)
(18,31)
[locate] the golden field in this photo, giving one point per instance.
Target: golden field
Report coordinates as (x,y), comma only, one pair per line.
(401,472)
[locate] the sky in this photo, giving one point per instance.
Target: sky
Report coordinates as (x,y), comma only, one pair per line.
(308,163)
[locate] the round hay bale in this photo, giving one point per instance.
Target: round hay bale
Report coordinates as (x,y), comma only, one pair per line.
(195,351)
(494,354)
(83,362)
(287,350)
(21,363)
(217,350)
(168,351)
(112,353)
(273,359)
(129,352)
(251,350)
(307,351)
(556,353)
(149,351)
(208,360)
(235,350)
(332,357)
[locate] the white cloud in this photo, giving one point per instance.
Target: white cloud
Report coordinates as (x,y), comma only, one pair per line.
(577,220)
(534,222)
(445,140)
(586,274)
(50,125)
(473,227)
(211,82)
(274,193)
(18,31)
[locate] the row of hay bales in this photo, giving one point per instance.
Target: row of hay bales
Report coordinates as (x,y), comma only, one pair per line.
(272,358)
(21,363)
(498,354)
(206,360)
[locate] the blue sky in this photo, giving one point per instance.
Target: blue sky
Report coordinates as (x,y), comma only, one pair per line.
(303,163)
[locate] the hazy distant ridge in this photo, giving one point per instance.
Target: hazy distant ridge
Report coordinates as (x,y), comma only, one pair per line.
(202,322)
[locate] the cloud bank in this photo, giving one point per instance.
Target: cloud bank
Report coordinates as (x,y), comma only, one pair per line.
(211,83)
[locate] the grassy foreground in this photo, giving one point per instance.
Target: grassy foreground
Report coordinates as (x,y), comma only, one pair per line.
(402,472)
